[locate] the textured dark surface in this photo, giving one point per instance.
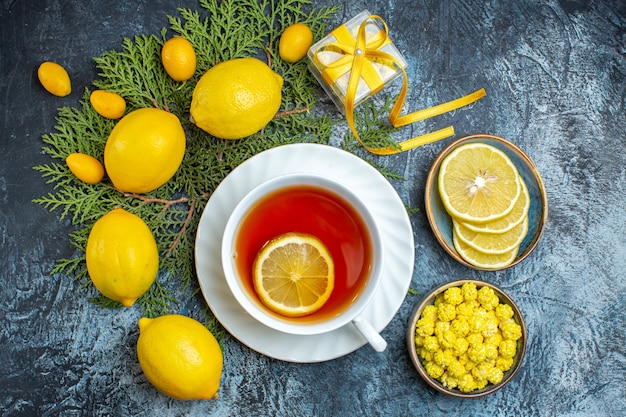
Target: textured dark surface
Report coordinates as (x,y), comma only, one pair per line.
(555,74)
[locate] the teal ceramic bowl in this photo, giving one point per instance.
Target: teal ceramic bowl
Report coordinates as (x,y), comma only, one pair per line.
(418,361)
(441,222)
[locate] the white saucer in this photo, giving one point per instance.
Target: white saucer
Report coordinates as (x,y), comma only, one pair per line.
(369,185)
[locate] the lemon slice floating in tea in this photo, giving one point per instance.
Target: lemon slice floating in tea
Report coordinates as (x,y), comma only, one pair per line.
(478,183)
(294,274)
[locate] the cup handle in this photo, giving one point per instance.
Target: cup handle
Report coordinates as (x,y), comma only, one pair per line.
(370,334)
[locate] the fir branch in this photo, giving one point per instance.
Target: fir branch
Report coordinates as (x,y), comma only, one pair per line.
(71,267)
(103,302)
(172,211)
(211,323)
(371,122)
(411,210)
(157,301)
(413,291)
(136,73)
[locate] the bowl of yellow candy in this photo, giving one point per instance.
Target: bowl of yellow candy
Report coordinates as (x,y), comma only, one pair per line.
(486,202)
(467,338)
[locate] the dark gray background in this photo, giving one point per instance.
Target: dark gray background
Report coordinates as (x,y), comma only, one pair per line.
(555,74)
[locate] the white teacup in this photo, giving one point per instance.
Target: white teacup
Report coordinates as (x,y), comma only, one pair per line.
(343,310)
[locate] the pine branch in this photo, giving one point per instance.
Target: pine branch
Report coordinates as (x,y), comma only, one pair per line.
(221,30)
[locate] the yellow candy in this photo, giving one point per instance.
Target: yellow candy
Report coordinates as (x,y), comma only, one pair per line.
(453,295)
(467,338)
(511,330)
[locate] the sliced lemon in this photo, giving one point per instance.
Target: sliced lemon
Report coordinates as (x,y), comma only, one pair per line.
(478,183)
(483,260)
(294,274)
(490,243)
(508,222)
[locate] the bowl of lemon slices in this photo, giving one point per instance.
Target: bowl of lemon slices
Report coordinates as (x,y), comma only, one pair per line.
(486,202)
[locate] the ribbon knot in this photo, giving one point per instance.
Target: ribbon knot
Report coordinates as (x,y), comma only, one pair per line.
(356,57)
(361,51)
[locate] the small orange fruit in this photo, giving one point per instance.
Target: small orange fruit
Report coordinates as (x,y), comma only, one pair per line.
(108,104)
(54,79)
(294,274)
(295,42)
(179,58)
(85,167)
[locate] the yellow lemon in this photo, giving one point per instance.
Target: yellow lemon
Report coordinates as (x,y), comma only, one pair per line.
(236,98)
(54,79)
(294,274)
(179,58)
(478,183)
(122,257)
(85,167)
(180,357)
(108,104)
(144,150)
(295,42)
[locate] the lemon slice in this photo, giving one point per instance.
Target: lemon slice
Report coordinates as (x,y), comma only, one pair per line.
(490,243)
(478,183)
(483,260)
(508,222)
(294,274)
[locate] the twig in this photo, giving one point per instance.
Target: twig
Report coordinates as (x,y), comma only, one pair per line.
(290,112)
(166,203)
(269,57)
(192,208)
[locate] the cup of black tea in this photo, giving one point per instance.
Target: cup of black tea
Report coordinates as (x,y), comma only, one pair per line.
(312,205)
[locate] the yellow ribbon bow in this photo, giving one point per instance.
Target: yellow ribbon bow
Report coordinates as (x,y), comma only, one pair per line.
(357,57)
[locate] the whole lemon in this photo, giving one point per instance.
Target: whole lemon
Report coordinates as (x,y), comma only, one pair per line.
(179,58)
(122,257)
(180,357)
(236,98)
(144,150)
(295,42)
(54,78)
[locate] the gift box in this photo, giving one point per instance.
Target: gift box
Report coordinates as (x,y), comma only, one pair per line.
(332,59)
